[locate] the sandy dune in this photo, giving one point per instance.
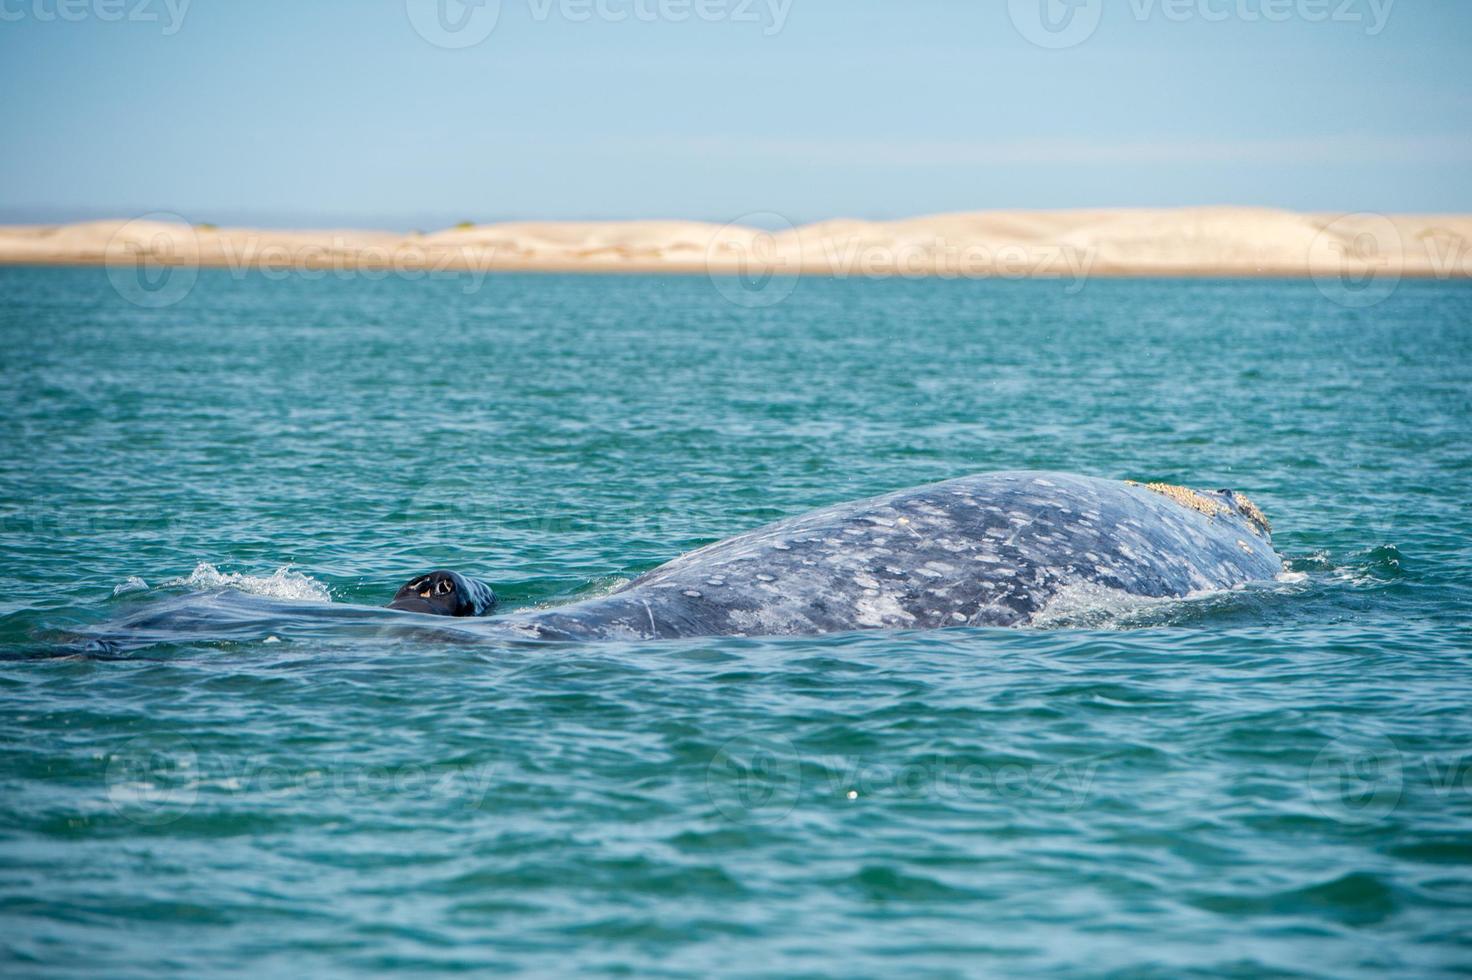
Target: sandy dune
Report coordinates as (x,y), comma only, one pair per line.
(1002,244)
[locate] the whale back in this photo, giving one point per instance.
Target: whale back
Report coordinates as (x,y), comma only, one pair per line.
(988,550)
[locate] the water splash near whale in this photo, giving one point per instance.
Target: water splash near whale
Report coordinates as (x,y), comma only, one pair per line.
(284,583)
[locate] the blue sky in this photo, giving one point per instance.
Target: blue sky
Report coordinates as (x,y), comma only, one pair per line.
(329,111)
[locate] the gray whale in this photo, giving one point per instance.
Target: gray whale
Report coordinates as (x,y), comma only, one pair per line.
(991,550)
(987,550)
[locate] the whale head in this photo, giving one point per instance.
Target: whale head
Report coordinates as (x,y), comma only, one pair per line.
(444,593)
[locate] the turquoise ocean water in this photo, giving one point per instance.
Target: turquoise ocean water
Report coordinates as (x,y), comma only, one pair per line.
(1276,781)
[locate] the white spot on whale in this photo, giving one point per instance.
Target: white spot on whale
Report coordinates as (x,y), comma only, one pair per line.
(880,611)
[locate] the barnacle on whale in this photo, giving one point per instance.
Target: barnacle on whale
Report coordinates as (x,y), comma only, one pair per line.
(1252,512)
(1186,497)
(1201,503)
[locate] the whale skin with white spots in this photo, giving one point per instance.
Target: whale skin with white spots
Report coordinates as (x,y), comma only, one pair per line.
(986,550)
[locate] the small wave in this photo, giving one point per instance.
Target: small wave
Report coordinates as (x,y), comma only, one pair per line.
(1385,562)
(1372,568)
(280,584)
(1316,561)
(133,584)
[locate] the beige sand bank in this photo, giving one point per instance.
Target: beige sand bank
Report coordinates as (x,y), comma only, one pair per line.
(993,244)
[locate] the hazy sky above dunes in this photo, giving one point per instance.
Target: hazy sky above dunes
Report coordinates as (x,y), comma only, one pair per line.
(342,112)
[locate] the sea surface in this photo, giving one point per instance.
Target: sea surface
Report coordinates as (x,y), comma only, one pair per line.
(1275,781)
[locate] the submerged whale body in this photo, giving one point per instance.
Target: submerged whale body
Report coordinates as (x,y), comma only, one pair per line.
(988,550)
